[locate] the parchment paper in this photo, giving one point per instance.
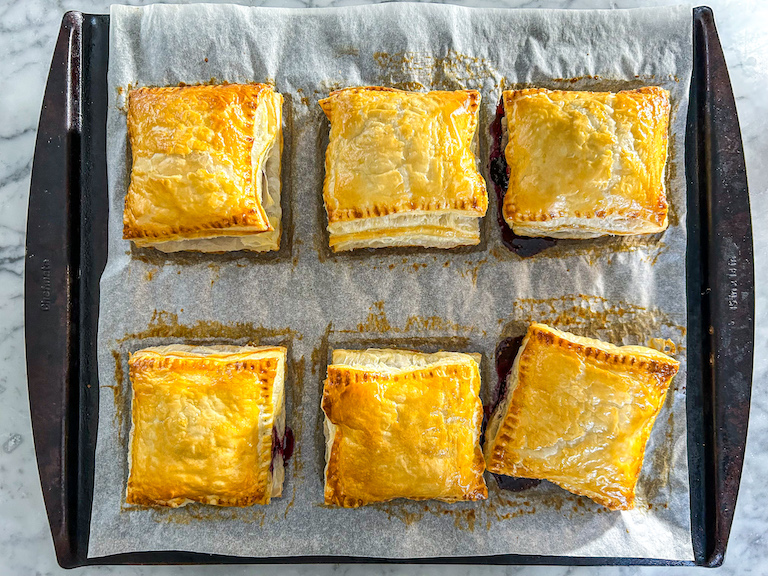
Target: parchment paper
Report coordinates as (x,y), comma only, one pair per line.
(622,290)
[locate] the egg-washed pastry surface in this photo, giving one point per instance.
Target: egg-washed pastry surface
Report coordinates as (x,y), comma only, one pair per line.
(400,169)
(206,168)
(578,412)
(586,164)
(401,424)
(202,425)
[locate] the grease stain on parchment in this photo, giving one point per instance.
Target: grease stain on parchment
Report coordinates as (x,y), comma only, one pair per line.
(472,269)
(119,398)
(215,272)
(410,512)
(615,321)
(501,505)
(194,513)
(295,418)
(377,322)
(452,71)
(164,324)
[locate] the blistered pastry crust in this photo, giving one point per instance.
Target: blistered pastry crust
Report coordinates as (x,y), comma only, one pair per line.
(402,425)
(391,153)
(202,420)
(198,157)
(586,164)
(578,412)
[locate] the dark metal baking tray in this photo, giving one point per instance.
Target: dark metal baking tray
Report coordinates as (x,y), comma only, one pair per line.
(67,251)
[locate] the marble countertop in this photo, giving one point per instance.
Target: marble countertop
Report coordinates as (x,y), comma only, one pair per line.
(28,32)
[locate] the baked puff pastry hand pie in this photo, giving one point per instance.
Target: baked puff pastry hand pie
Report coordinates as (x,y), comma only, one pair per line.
(578,412)
(402,424)
(206,168)
(400,169)
(586,164)
(204,419)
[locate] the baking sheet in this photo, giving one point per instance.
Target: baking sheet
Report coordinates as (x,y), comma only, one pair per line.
(470,299)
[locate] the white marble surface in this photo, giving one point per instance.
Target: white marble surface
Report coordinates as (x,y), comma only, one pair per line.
(28,30)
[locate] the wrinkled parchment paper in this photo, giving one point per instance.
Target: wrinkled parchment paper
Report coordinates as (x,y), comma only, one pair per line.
(471,299)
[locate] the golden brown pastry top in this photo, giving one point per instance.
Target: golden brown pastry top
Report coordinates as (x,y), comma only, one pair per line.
(403,432)
(579,413)
(595,157)
(197,157)
(392,151)
(202,424)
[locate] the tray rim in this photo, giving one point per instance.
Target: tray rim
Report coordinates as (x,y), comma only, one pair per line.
(67,539)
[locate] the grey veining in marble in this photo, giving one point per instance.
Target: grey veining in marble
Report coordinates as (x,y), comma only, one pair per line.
(28,30)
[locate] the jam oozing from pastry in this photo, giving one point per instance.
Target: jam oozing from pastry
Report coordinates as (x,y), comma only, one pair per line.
(505,355)
(282,446)
(288,443)
(515,484)
(523,246)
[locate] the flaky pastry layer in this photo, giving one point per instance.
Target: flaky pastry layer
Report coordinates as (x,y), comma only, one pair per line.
(409,229)
(202,425)
(393,153)
(578,412)
(402,424)
(206,168)
(586,164)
